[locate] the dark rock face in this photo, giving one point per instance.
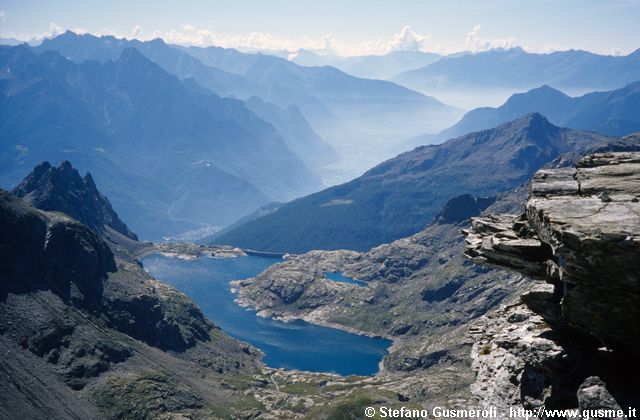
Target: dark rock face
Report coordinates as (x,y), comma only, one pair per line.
(581,234)
(169,325)
(593,395)
(53,255)
(63,189)
(50,252)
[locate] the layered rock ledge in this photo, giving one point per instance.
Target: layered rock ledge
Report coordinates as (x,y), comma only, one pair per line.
(581,232)
(572,340)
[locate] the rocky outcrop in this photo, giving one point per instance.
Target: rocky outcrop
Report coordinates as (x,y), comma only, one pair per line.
(63,189)
(189,251)
(572,340)
(581,231)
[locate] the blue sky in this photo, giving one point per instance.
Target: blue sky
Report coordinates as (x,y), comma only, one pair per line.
(344,27)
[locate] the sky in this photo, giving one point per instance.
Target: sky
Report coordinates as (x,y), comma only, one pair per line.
(344,27)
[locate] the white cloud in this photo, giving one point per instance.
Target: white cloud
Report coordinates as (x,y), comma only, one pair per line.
(136,31)
(403,40)
(35,39)
(55,30)
(618,52)
(111,32)
(190,35)
(545,49)
(475,42)
(407,40)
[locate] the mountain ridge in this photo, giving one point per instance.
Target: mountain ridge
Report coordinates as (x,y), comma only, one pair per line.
(518,68)
(368,66)
(400,196)
(607,112)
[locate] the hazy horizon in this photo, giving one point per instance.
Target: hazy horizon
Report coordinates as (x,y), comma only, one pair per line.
(357,28)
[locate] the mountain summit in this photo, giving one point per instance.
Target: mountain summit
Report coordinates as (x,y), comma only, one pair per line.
(63,189)
(613,112)
(398,197)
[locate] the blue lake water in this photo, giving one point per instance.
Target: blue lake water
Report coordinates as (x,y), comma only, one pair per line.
(291,345)
(339,277)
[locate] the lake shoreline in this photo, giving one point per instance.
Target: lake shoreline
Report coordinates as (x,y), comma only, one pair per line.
(297,347)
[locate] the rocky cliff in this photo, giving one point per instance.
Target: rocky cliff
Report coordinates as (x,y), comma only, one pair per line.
(572,340)
(62,189)
(50,251)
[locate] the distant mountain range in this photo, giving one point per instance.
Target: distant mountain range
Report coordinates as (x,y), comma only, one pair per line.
(368,66)
(171,154)
(518,68)
(80,48)
(296,132)
(341,107)
(512,70)
(344,110)
(336,89)
(400,196)
(614,113)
